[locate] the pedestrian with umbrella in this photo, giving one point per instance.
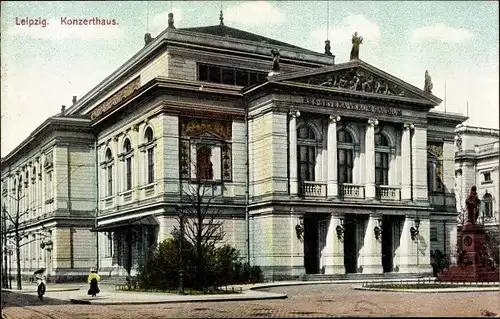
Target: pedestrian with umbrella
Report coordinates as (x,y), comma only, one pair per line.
(40,280)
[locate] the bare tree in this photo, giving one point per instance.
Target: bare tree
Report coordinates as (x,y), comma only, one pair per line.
(197,216)
(17,231)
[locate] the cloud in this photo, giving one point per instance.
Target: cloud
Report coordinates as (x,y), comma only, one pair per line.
(159,22)
(441,32)
(253,13)
(341,35)
(65,28)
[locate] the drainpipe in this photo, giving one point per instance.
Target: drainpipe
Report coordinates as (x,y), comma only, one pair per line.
(96,202)
(247,182)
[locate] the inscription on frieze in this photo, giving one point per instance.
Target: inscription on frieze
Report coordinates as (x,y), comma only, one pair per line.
(116,98)
(343,105)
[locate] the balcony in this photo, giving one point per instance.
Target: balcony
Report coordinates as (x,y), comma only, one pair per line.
(352,191)
(384,192)
(313,189)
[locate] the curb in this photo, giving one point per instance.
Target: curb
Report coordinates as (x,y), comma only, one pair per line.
(331,282)
(437,290)
(219,299)
(34,290)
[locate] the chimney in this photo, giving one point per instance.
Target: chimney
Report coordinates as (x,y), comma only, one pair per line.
(147,38)
(74,99)
(63,110)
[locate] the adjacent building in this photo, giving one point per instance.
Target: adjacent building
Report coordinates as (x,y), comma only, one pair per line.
(315,168)
(477,164)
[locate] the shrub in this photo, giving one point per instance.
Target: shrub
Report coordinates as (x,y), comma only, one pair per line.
(221,266)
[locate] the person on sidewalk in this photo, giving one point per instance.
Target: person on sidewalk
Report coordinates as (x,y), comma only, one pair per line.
(93,279)
(40,281)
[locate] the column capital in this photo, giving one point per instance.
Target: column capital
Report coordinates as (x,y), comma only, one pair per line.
(373,122)
(334,118)
(409,126)
(294,113)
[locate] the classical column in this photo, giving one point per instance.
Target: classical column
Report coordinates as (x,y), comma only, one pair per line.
(406,162)
(292,133)
(334,248)
(370,158)
(372,247)
(332,188)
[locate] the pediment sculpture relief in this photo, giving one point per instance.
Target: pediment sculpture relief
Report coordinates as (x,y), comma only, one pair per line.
(357,79)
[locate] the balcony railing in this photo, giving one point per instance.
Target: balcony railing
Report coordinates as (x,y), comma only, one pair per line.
(352,191)
(385,192)
(314,189)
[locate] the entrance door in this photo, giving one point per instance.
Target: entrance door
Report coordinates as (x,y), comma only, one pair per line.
(387,243)
(311,245)
(350,246)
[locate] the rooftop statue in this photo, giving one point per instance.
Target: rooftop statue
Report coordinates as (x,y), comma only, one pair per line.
(171,21)
(428,83)
(356,41)
(472,203)
(276,59)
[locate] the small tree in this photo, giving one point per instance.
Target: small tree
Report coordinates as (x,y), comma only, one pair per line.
(201,230)
(17,231)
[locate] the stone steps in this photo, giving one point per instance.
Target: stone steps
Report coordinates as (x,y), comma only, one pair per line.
(322,277)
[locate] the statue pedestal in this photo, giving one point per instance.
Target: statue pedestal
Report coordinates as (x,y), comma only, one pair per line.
(473,263)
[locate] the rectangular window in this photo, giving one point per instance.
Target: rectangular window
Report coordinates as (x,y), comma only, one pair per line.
(241,78)
(486,177)
(151,166)
(128,168)
(202,72)
(381,168)
(252,78)
(48,186)
(345,166)
(434,234)
(109,246)
(228,76)
(110,180)
(307,162)
(214,74)
(208,162)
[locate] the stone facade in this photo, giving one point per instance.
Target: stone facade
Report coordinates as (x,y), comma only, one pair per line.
(305,178)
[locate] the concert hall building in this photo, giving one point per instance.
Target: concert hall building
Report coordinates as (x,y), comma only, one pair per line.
(316,168)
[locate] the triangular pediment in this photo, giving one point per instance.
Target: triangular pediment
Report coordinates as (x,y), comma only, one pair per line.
(359,77)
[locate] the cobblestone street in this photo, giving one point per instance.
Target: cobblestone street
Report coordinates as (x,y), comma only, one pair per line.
(303,301)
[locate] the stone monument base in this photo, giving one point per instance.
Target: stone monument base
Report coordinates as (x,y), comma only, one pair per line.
(474,264)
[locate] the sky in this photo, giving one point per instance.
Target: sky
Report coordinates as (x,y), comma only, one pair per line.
(43,67)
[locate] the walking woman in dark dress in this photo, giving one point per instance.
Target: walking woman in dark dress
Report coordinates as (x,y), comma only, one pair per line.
(93,279)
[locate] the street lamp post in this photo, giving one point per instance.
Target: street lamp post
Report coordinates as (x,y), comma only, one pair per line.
(10,268)
(180,212)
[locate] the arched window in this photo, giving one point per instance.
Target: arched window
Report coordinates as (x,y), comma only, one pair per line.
(127,149)
(306,142)
(20,184)
(148,136)
(487,206)
(345,160)
(109,173)
(381,160)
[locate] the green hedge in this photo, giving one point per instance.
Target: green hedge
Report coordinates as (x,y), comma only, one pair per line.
(219,266)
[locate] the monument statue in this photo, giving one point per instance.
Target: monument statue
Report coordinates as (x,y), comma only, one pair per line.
(472,203)
(276,59)
(428,83)
(356,41)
